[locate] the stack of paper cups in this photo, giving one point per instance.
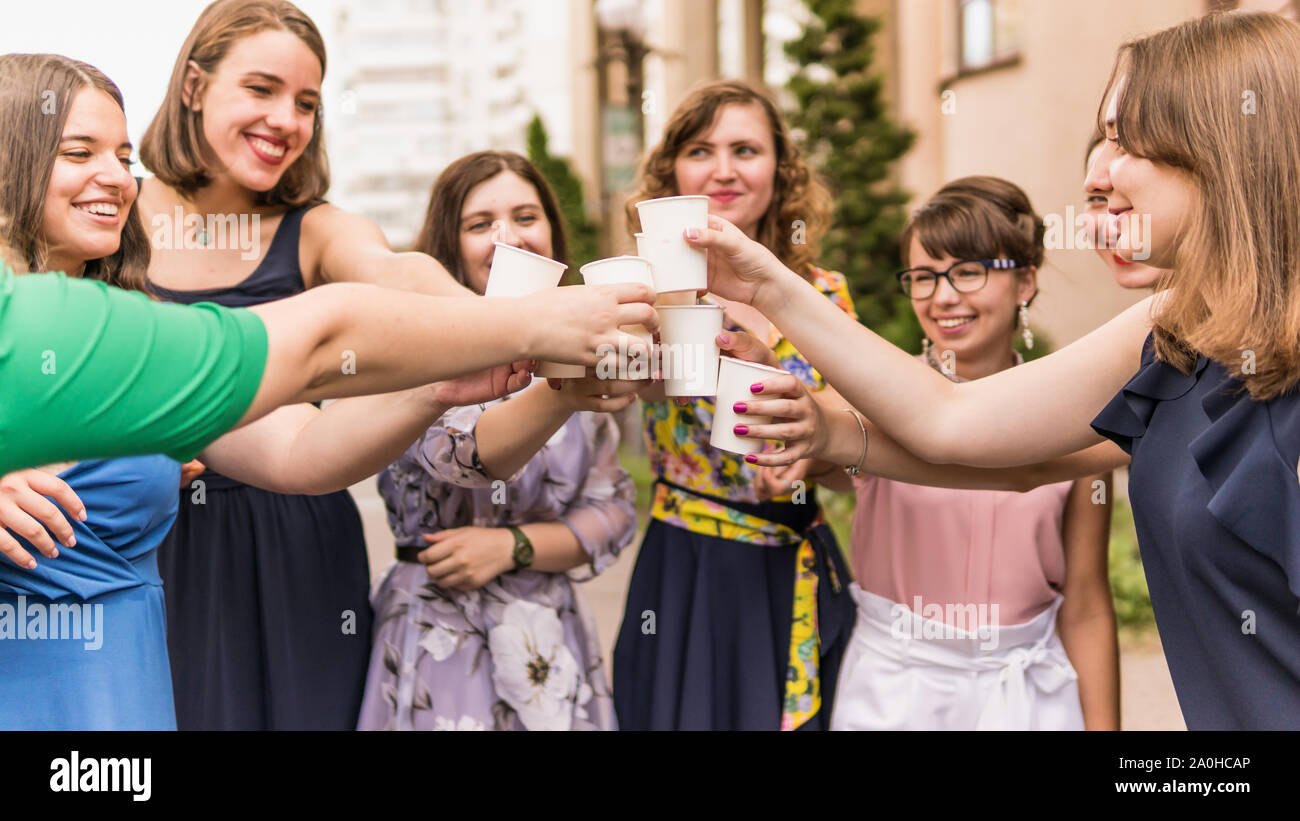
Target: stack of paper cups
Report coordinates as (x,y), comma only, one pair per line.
(734,378)
(676,265)
(617,270)
(516,272)
(688,349)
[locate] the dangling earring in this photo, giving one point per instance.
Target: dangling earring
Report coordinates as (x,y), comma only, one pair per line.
(1024,325)
(925,347)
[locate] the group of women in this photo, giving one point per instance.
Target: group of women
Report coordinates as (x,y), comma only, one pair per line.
(977,595)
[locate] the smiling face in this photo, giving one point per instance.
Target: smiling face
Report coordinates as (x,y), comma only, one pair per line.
(91,189)
(733,163)
(504,208)
(1127,274)
(259,107)
(976,326)
(1149,205)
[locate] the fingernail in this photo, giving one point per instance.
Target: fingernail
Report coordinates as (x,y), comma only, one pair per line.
(739,407)
(741,430)
(757,387)
(31,564)
(751,458)
(726,338)
(81,517)
(692,233)
(71,542)
(54,553)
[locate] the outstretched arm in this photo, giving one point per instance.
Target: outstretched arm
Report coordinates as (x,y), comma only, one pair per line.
(1030,413)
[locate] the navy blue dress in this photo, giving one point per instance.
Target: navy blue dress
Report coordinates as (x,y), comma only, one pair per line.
(268,611)
(1216,502)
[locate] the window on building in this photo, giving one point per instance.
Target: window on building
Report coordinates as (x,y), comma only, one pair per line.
(990,32)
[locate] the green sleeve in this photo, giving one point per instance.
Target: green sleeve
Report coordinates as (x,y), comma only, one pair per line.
(89,371)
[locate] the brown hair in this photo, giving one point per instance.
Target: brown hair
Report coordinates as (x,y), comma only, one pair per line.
(977,218)
(36,93)
(440,236)
(797,195)
(174,147)
(1184,107)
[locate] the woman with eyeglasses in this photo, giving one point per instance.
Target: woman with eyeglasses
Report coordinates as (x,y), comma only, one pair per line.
(977,609)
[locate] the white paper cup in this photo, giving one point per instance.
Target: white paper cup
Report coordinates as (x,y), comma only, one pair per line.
(559,370)
(617,270)
(670,216)
(516,272)
(734,378)
(675,265)
(688,349)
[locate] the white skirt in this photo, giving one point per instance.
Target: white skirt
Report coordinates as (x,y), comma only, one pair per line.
(905,672)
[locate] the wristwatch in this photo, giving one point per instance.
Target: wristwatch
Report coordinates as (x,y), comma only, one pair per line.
(523,549)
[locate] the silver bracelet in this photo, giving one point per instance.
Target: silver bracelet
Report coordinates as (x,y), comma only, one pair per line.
(854,470)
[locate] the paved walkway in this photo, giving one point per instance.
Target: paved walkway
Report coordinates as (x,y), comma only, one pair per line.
(1146,693)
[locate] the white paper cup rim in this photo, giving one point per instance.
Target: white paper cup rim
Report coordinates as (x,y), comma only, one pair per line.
(623,258)
(672,199)
(768,368)
(518,250)
(688,307)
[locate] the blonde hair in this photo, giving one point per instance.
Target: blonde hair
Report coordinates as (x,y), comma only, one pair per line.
(797,195)
(174,147)
(1218,98)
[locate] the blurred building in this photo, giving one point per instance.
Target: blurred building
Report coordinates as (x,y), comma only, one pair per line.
(422,82)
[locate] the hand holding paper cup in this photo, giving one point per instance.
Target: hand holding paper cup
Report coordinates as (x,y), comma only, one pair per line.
(516,272)
(734,378)
(611,272)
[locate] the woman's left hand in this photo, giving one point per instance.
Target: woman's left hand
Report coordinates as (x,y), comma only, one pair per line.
(466,558)
(771,483)
(797,420)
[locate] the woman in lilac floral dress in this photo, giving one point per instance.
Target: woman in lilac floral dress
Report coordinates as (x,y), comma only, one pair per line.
(496,510)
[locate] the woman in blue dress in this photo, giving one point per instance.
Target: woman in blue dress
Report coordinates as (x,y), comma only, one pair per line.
(1198,383)
(83,636)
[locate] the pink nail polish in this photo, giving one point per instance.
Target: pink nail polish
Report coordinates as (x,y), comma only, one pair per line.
(726,340)
(739,407)
(741,430)
(751,458)
(757,387)
(692,233)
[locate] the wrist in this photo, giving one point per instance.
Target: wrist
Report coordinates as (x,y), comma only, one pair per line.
(773,292)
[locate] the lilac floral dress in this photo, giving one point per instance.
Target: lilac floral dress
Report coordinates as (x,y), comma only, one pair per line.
(521,652)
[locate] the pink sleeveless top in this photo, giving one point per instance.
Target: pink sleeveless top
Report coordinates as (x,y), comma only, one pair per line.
(953,548)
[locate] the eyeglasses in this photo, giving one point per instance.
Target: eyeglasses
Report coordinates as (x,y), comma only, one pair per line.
(965,276)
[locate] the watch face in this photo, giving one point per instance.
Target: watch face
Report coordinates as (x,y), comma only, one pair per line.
(523,554)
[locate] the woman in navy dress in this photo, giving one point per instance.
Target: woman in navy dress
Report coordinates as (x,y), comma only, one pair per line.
(270,619)
(1211,417)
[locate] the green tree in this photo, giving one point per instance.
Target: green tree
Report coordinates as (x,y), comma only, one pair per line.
(581,231)
(852,141)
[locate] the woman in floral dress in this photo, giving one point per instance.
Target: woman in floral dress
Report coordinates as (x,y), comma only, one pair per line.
(496,510)
(738,610)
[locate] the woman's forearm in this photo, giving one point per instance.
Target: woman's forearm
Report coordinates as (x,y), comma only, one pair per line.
(509,434)
(555,547)
(887,459)
(1088,633)
(303,450)
(1026,414)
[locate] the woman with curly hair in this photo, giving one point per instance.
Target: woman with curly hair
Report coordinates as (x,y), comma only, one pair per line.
(737,610)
